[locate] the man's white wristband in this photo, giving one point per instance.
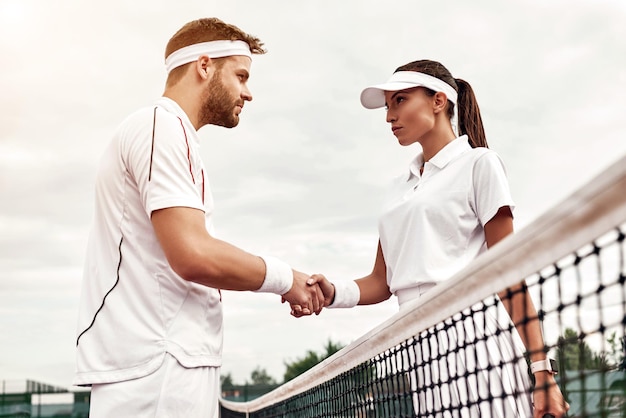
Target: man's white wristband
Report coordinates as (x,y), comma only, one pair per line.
(347,294)
(278,276)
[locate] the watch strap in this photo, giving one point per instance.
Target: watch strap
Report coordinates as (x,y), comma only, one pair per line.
(548,365)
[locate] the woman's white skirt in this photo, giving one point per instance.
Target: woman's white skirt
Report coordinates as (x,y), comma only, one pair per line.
(468,366)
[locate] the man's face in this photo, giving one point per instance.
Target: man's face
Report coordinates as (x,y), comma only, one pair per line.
(226,93)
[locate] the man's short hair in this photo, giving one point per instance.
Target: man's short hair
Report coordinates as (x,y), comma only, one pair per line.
(211,29)
(206,30)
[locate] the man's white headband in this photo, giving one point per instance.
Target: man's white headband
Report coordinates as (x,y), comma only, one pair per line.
(213,49)
(373,97)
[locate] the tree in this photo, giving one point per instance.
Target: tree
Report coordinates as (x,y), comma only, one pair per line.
(617,355)
(260,377)
(300,366)
(227,382)
(332,348)
(311,358)
(573,353)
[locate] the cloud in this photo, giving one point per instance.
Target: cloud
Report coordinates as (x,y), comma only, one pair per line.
(303,175)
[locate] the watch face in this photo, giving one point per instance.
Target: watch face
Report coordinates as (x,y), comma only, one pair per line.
(553,365)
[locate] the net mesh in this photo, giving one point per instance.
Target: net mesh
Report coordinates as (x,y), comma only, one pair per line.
(457,353)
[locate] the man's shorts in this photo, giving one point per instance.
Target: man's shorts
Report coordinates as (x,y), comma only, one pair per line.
(172,391)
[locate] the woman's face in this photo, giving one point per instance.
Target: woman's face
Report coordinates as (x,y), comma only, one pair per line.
(410,113)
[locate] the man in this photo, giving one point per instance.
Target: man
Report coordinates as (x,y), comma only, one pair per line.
(150,320)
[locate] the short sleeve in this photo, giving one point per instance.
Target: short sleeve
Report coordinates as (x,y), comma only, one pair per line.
(158,157)
(491,187)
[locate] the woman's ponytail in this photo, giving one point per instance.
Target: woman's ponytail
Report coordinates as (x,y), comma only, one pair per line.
(470,121)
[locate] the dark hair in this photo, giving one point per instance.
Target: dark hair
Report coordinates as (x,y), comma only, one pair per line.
(470,122)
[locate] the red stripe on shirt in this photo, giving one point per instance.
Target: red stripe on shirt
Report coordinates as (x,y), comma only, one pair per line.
(188,151)
(152,148)
(203,186)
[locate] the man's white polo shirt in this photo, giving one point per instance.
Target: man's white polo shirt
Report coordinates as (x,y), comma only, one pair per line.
(134,308)
(432,225)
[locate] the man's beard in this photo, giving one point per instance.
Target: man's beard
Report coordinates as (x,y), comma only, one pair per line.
(218,107)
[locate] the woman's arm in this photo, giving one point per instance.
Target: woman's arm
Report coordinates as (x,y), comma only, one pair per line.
(548,398)
(371,289)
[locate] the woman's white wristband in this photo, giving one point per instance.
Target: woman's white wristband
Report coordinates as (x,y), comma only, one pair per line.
(347,294)
(278,276)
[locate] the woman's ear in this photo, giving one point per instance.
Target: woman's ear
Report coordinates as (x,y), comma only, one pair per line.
(439,101)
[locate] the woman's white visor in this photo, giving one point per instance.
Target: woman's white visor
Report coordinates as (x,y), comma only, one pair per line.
(373,97)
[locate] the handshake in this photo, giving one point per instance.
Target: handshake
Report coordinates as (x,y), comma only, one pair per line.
(309,294)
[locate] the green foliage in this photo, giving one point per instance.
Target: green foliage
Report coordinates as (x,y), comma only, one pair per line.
(573,353)
(331,348)
(260,377)
(227,381)
(299,366)
(617,355)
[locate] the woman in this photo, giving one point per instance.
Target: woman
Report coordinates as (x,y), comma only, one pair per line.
(452,205)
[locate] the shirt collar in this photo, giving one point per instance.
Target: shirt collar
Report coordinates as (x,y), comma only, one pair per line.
(453,149)
(173,107)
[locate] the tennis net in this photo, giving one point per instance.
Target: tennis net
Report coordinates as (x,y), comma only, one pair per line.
(449,354)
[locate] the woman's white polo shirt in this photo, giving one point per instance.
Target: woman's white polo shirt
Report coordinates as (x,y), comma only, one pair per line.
(432,225)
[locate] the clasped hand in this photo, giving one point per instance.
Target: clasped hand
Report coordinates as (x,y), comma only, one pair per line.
(309,295)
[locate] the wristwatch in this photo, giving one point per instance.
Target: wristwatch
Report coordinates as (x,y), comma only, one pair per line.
(548,365)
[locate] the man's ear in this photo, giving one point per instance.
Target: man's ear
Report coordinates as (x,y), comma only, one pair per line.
(204,66)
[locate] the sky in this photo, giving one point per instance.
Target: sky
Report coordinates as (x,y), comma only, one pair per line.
(302,176)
